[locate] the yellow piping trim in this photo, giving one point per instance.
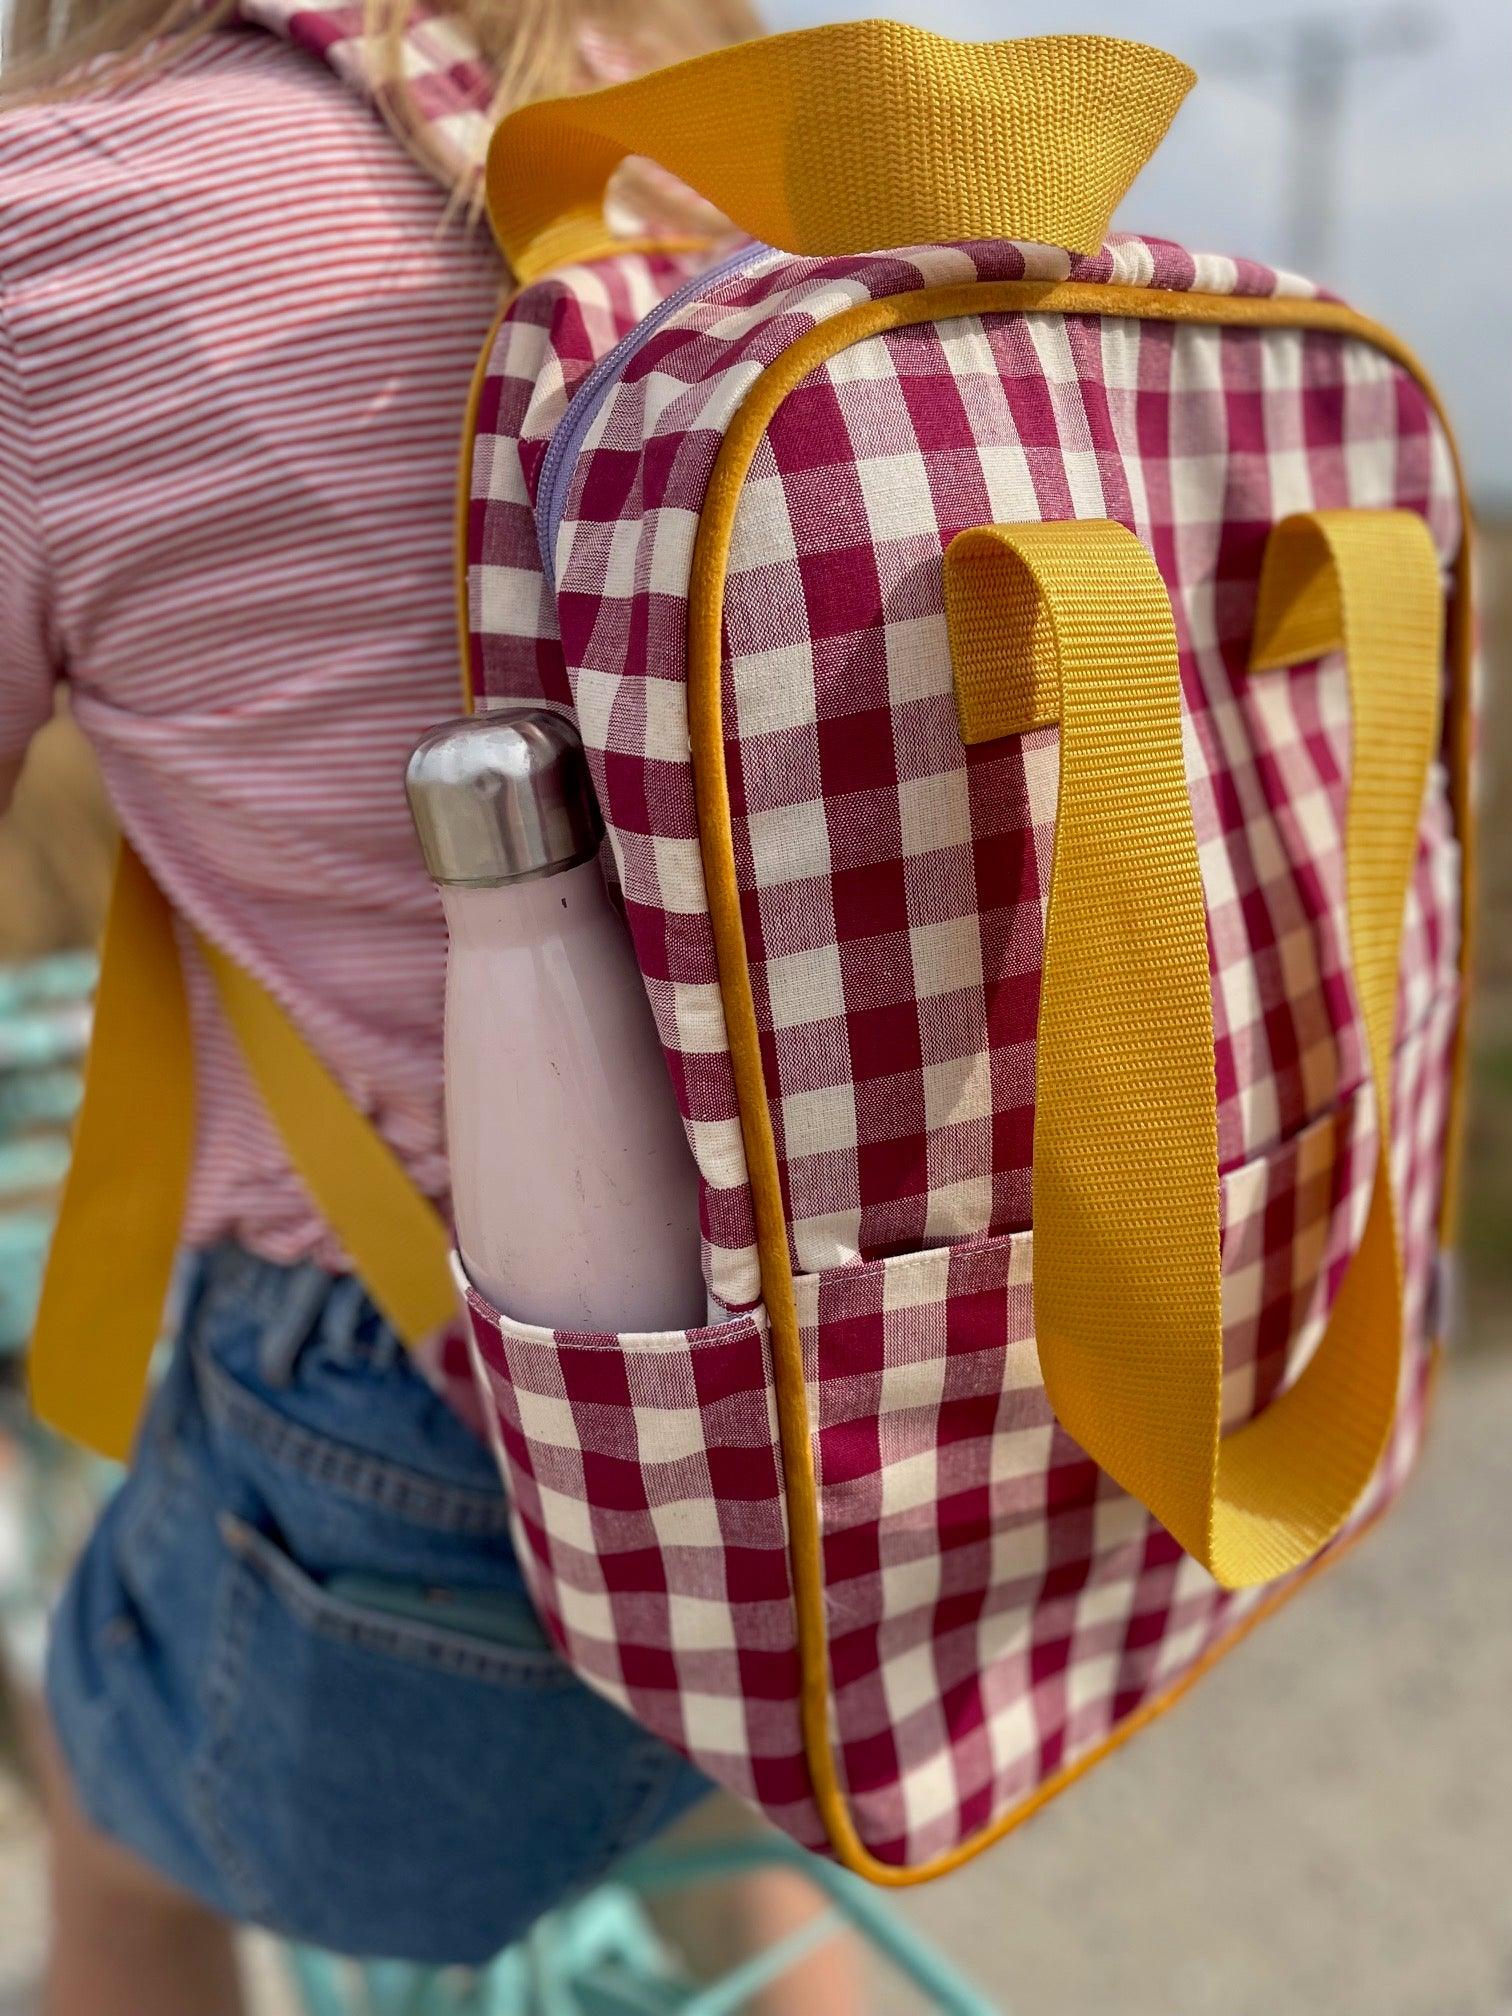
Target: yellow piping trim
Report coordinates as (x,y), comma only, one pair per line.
(464,498)
(705,669)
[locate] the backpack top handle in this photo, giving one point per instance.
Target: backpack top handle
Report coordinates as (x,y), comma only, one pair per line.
(850,138)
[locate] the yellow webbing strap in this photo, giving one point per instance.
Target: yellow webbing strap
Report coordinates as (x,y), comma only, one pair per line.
(1072,621)
(398,1240)
(118,1229)
(118,1225)
(851,137)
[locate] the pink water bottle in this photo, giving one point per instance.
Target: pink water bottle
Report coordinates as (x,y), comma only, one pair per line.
(573,1188)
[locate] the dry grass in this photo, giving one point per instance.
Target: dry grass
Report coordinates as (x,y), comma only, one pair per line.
(1487,1228)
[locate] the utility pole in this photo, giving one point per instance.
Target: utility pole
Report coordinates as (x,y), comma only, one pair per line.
(1315,56)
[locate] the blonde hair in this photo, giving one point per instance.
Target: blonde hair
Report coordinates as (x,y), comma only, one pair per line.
(532,48)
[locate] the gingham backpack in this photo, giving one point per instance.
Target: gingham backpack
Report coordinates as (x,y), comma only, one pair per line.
(1026,680)
(1014,680)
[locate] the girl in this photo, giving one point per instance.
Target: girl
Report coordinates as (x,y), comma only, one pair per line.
(237,322)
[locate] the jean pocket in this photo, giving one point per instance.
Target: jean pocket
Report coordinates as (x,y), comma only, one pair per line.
(383,1785)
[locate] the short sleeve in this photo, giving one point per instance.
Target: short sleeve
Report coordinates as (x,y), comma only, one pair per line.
(29,664)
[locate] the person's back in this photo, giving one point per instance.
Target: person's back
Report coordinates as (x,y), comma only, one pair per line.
(296,1673)
(236,335)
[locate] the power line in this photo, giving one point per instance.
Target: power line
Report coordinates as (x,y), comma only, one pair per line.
(1316,56)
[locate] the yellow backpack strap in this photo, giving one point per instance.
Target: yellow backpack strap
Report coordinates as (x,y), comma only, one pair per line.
(123,1204)
(399,1242)
(118,1226)
(1072,622)
(851,137)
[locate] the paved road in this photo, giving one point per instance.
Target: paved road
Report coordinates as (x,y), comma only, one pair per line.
(20,1901)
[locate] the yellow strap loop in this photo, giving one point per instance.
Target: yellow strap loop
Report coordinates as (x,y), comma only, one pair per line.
(851,137)
(1073,621)
(118,1230)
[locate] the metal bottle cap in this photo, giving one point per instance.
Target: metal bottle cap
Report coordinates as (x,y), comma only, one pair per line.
(502,796)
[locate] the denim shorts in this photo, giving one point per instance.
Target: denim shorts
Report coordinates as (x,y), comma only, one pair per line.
(366,1781)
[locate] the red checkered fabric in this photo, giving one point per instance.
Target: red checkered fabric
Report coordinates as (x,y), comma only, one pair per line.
(995,1607)
(552,337)
(649,1519)
(451,88)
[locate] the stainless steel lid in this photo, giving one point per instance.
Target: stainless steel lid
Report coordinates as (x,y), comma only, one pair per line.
(502,796)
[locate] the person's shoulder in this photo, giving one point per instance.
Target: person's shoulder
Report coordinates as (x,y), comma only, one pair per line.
(112,142)
(84,99)
(102,118)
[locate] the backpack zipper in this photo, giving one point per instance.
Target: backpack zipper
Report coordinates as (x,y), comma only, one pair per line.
(582,408)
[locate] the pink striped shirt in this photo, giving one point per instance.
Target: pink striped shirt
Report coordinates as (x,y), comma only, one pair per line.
(235,344)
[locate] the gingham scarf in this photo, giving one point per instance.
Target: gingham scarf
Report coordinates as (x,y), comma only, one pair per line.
(451,85)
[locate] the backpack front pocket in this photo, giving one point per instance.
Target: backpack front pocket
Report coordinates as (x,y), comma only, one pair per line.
(646,1479)
(996,1609)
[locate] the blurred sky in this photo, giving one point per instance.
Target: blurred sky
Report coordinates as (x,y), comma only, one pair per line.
(1425,184)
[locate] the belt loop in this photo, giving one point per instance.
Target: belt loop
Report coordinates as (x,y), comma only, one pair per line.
(306,1292)
(364,1331)
(386,1346)
(340,1330)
